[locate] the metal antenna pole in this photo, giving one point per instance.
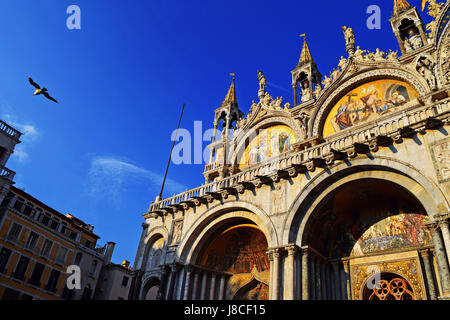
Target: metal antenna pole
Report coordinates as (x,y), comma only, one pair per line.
(170,157)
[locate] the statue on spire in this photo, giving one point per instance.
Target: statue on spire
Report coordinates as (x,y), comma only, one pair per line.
(349,39)
(262,84)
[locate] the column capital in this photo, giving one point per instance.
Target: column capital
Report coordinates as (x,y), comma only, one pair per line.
(291,250)
(433,226)
(425,253)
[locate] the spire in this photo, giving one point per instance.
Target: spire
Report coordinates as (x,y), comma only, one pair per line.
(400,6)
(231,95)
(306,56)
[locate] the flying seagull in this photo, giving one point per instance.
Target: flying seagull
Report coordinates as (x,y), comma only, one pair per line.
(39,91)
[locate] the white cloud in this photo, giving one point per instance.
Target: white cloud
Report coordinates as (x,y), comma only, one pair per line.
(110,176)
(30,134)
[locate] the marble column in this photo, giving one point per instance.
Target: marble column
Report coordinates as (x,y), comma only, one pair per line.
(172,281)
(345,279)
(212,291)
(194,295)
(305,274)
(329,281)
(429,274)
(204,283)
(187,284)
(223,279)
(336,281)
(276,274)
(441,259)
(180,282)
(324,281)
(318,282)
(443,224)
(289,271)
(312,276)
(270,257)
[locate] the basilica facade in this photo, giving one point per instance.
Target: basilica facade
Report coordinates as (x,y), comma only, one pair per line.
(342,195)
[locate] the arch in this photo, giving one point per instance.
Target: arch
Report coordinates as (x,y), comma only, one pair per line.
(380,168)
(444,35)
(153,235)
(332,97)
(194,239)
(246,136)
(151,283)
(384,290)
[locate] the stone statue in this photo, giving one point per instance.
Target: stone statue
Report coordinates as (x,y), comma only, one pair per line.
(304,122)
(276,104)
(370,57)
(379,55)
(414,39)
(287,106)
(342,63)
(335,74)
(318,91)
(349,39)
(306,92)
(407,45)
(359,54)
(426,68)
(392,55)
(253,106)
(262,81)
(326,82)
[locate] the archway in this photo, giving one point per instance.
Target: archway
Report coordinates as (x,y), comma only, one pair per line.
(366,217)
(151,289)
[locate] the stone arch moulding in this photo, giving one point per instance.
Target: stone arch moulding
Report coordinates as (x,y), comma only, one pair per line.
(151,281)
(252,133)
(153,235)
(319,117)
(442,25)
(425,191)
(198,234)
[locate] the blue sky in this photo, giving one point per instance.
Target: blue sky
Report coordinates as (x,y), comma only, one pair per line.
(121,81)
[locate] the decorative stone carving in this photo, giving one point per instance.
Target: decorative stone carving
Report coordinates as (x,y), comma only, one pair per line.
(392,55)
(176,232)
(379,55)
(414,41)
(342,63)
(262,81)
(359,54)
(318,91)
(426,69)
(434,10)
(441,159)
(408,269)
(304,123)
(445,59)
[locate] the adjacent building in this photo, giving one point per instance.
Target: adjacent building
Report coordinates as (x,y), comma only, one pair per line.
(346,186)
(114,282)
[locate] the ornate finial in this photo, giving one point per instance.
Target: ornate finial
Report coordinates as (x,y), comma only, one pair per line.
(233,75)
(305,56)
(400,6)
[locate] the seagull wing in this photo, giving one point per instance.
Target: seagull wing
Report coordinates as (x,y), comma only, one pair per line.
(48,97)
(34,84)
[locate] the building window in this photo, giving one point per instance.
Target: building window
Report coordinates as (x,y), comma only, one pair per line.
(19,204)
(45,218)
(4,258)
(63,228)
(88,244)
(13,234)
(36,275)
(32,240)
(53,280)
(10,294)
(124,281)
(46,247)
(93,267)
(38,214)
(54,224)
(61,255)
(28,210)
(77,260)
(72,234)
(21,268)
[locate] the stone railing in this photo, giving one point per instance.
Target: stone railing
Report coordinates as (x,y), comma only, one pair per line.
(366,138)
(213,166)
(10,131)
(6,173)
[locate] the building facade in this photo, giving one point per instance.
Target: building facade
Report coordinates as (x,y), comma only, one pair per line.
(115,281)
(37,244)
(342,195)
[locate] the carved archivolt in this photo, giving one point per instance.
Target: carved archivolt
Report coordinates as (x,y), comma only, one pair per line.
(408,269)
(444,57)
(323,110)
